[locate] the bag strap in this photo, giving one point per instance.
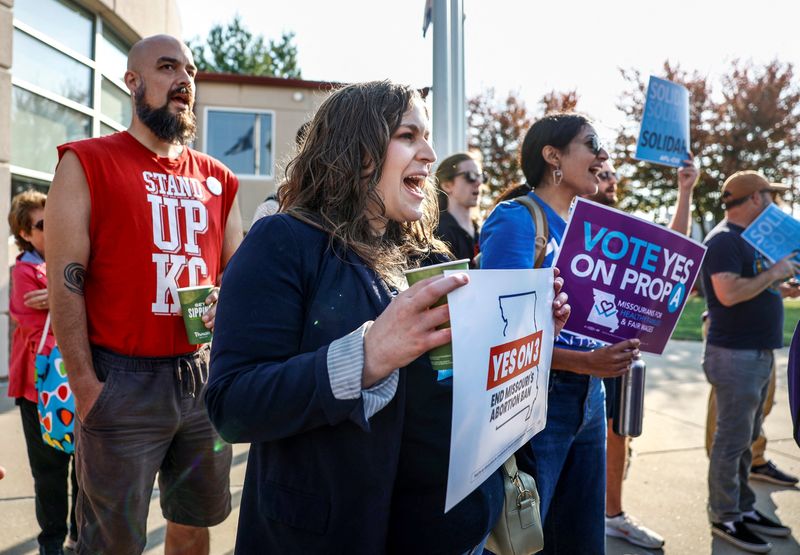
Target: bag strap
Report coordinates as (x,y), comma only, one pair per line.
(539,227)
(43,340)
(510,468)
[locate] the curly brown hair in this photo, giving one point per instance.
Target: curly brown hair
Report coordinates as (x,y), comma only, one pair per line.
(19,217)
(332,182)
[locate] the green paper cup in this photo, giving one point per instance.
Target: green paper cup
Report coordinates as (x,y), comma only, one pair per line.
(193,306)
(442,356)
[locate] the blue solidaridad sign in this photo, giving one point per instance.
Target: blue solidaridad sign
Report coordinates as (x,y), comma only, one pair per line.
(775,234)
(664,133)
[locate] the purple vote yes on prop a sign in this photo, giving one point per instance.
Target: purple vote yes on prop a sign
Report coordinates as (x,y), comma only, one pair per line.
(625,277)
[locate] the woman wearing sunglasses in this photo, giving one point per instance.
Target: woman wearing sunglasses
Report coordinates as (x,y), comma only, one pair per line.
(28,308)
(561,157)
(460,178)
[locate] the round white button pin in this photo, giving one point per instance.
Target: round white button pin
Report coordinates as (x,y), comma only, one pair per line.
(214,186)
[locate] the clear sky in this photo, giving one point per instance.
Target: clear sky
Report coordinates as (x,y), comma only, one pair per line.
(529,46)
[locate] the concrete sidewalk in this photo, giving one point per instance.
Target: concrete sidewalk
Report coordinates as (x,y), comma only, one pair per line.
(666,486)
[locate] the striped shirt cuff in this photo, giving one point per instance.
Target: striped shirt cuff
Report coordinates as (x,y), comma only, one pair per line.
(379,395)
(345,369)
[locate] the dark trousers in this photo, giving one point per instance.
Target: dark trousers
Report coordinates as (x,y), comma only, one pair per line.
(51,472)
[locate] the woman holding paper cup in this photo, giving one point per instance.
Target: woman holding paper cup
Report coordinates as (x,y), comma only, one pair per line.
(316,337)
(561,157)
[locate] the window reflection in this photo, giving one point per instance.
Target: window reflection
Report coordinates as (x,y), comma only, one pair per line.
(20,184)
(64,21)
(38,126)
(48,36)
(46,67)
(266,144)
(231,136)
(106,130)
(112,55)
(115,103)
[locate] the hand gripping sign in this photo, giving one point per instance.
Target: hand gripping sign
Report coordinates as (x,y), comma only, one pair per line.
(502,325)
(625,277)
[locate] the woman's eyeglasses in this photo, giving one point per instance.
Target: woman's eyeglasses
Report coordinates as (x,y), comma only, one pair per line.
(39,225)
(594,145)
(473,177)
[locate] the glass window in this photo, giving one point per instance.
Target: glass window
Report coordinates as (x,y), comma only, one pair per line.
(46,67)
(112,55)
(231,136)
(106,130)
(62,20)
(115,103)
(38,126)
(20,184)
(265,162)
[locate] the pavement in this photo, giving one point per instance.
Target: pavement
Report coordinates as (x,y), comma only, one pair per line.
(665,489)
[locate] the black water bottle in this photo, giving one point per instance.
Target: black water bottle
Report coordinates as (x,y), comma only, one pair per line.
(629,407)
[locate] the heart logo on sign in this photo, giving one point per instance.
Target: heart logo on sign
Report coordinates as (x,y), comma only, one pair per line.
(607,306)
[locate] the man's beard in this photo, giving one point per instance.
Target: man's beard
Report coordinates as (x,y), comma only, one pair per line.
(603,198)
(173,128)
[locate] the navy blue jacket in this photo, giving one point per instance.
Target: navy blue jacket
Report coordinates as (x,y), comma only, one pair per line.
(319,476)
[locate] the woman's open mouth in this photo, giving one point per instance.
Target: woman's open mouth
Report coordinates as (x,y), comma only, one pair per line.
(415,185)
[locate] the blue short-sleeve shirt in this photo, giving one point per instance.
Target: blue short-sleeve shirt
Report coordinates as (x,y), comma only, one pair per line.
(507,242)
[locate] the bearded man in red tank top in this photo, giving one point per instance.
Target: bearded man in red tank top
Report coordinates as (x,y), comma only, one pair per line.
(131,217)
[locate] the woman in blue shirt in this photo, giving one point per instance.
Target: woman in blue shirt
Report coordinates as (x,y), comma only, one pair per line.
(560,157)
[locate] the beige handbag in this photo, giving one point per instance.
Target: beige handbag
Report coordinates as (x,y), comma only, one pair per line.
(519,529)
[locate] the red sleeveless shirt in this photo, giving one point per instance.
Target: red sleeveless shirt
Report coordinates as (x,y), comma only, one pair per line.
(156,224)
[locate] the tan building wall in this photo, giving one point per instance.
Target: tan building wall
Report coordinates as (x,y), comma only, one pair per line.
(134,19)
(292,101)
(131,19)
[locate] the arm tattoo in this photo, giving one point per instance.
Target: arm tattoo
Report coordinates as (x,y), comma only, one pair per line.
(74,277)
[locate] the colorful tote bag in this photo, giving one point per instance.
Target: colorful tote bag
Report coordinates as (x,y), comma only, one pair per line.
(55,401)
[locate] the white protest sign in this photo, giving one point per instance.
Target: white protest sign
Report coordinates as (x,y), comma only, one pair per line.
(502,324)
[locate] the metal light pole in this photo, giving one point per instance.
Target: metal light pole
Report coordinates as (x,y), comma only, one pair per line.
(442,81)
(458,139)
(449,109)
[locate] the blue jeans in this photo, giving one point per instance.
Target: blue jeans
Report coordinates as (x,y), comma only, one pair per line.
(569,465)
(478,549)
(741,379)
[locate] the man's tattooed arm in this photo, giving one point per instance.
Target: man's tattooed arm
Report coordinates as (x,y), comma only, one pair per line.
(74,277)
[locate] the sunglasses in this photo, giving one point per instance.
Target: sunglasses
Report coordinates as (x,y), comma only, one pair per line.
(606,176)
(62,393)
(39,225)
(594,145)
(473,177)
